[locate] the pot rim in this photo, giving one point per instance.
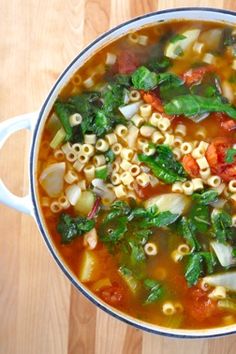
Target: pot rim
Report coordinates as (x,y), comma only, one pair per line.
(146,326)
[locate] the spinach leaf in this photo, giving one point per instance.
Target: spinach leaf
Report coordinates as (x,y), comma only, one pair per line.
(63,112)
(191,105)
(230,155)
(102,173)
(177,37)
(164,165)
(193,269)
(206,197)
(137,254)
(171,86)
(209,260)
(112,233)
(187,230)
(70,228)
(155,291)
(110,156)
(221,224)
(164,218)
(144,79)
(118,208)
(158,64)
(200,217)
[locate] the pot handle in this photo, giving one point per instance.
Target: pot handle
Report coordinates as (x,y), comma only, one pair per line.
(7,128)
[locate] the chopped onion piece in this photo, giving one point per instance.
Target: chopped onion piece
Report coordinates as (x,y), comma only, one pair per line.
(52,179)
(190,37)
(176,203)
(130,109)
(228,280)
(73,193)
(223,253)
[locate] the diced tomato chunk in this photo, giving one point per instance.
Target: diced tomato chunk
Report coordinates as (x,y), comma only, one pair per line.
(113,295)
(190,165)
(127,62)
(152,98)
(229,124)
(199,306)
(193,76)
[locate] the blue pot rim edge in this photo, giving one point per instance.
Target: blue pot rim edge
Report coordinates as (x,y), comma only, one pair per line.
(36,213)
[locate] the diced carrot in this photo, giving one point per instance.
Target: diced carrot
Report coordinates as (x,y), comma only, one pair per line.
(151,98)
(190,165)
(195,75)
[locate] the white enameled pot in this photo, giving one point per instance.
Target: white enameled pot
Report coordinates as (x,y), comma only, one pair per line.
(35,122)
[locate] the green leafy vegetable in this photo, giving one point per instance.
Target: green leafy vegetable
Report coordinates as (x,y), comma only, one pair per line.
(102,173)
(221,224)
(114,232)
(191,105)
(63,114)
(164,218)
(179,51)
(187,229)
(70,228)
(171,86)
(230,155)
(144,79)
(137,254)
(193,269)
(177,37)
(164,165)
(206,197)
(155,291)
(200,217)
(209,260)
(158,64)
(110,156)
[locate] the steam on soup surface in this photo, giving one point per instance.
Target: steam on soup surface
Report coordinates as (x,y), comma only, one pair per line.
(137,174)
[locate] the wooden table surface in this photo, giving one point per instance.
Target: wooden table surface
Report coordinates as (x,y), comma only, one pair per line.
(40,312)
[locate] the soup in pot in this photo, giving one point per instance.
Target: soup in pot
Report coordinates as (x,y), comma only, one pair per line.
(137,174)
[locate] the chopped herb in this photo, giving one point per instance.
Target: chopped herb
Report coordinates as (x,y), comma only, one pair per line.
(206,197)
(155,291)
(63,114)
(70,228)
(193,269)
(178,51)
(144,79)
(102,173)
(200,217)
(171,86)
(164,165)
(221,224)
(158,64)
(111,233)
(186,228)
(230,155)
(177,37)
(164,218)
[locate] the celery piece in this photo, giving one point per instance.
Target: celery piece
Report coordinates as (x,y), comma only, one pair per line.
(227,305)
(58,138)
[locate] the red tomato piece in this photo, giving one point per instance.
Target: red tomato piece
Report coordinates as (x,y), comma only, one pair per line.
(229,124)
(199,306)
(190,165)
(113,295)
(151,98)
(193,76)
(127,62)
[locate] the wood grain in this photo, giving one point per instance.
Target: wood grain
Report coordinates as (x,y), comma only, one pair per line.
(41,313)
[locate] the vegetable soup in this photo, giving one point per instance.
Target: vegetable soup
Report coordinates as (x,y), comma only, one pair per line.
(137,174)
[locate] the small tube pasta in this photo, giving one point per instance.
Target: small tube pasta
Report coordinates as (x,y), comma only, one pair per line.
(154,119)
(131,137)
(188,187)
(64,202)
(89,172)
(234,220)
(163,124)
(142,40)
(145,110)
(143,179)
(71,156)
(153,180)
(88,83)
(102,145)
(133,37)
(232,186)
(197,47)
(99,160)
(134,95)
(203,145)
(66,148)
(115,179)
(82,184)
(197,184)
(177,141)
(126,154)
(55,207)
(70,177)
(157,138)
(87,149)
(147,150)
(90,139)
(137,120)
(218,293)
(147,131)
(45,201)
(202,163)
(150,249)
(59,154)
(198,153)
(180,129)
(177,187)
(126,178)
(186,148)
(120,191)
(115,166)
(168,308)
(111,138)
(177,153)
(82,158)
(134,170)
(169,139)
(76,80)
(75,119)
(121,130)
(208,58)
(183,249)
(201,133)
(116,148)
(205,172)
(214,181)
(76,147)
(135,160)
(176,256)
(125,165)
(141,142)
(78,166)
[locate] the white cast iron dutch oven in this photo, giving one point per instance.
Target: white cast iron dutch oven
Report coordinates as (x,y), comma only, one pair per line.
(35,122)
